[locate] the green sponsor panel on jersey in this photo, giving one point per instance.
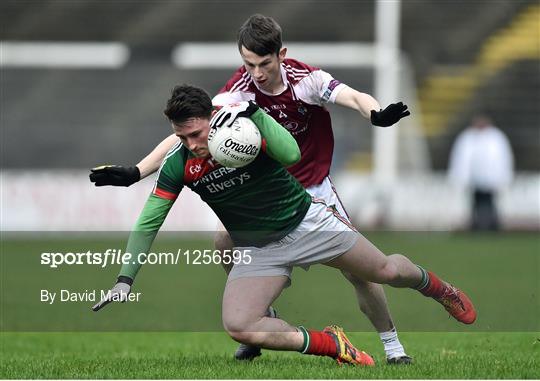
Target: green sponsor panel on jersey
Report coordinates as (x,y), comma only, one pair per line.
(258,203)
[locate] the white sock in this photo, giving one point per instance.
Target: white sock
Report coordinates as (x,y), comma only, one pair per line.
(392,346)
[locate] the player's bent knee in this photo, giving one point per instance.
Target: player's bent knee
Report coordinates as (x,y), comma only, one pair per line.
(241,333)
(242,336)
(237,326)
(388,274)
(244,328)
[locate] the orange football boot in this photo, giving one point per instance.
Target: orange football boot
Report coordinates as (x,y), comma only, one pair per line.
(347,353)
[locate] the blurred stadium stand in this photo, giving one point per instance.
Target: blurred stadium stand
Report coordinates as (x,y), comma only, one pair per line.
(465,57)
(75,106)
(79,118)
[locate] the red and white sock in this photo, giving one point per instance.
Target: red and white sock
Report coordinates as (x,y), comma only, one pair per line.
(430,285)
(318,343)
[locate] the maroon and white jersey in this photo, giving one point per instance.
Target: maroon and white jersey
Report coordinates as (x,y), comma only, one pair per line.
(299,108)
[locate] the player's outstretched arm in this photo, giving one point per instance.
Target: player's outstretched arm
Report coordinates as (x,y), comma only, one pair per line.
(139,243)
(153,160)
(118,175)
(361,102)
(370,108)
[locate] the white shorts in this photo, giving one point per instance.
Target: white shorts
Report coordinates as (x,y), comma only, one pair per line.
(326,191)
(321,236)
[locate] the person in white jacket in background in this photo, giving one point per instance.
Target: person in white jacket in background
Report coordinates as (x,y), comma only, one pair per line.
(481,160)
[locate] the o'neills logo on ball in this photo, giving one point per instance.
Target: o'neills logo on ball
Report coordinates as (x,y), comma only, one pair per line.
(248,149)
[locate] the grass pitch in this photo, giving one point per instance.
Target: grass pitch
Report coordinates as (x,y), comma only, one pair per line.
(209,356)
(175,331)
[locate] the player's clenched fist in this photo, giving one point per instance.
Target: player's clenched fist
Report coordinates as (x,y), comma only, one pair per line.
(114,175)
(390,115)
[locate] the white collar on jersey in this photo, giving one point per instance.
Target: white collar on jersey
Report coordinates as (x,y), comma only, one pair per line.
(283,79)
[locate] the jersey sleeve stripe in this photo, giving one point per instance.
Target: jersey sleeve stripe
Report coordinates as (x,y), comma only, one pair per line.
(246,86)
(236,85)
(292,71)
(289,67)
(241,83)
(165,194)
(296,76)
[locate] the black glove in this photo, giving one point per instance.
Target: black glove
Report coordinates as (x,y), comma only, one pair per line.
(390,115)
(114,175)
(228,114)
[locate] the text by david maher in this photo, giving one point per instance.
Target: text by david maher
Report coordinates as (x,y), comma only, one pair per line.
(63,295)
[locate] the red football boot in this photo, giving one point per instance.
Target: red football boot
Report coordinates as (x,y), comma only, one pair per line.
(457,304)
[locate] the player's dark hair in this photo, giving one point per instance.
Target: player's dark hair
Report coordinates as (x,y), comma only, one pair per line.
(188,102)
(261,35)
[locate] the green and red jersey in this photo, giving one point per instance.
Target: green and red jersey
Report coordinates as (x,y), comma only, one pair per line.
(257,204)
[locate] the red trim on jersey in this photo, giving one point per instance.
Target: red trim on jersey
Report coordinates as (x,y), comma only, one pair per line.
(296,73)
(289,67)
(300,66)
(240,81)
(162,193)
(296,77)
(296,70)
